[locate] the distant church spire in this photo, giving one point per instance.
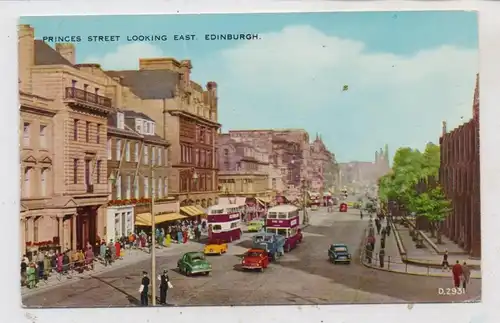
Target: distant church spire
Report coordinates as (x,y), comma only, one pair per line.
(376,156)
(386,151)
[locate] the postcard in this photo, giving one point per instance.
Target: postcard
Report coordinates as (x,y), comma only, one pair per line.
(289,159)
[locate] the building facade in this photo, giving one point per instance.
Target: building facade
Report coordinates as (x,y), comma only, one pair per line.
(359,174)
(137,169)
(321,158)
(460,177)
(78,188)
(243,170)
(185,115)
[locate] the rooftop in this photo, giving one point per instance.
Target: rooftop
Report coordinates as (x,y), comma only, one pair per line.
(149,84)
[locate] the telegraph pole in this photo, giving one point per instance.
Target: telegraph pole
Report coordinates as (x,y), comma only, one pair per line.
(153,238)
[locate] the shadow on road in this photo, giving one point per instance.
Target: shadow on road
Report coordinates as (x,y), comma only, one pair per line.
(132,300)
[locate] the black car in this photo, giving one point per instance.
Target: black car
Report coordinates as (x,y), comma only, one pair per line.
(338,252)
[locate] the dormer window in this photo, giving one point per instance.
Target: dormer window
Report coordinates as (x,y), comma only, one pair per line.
(145,127)
(138,125)
(120,120)
(153,130)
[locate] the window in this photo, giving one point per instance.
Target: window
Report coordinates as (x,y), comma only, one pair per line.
(75,171)
(75,130)
(118,149)
(209,160)
(138,127)
(146,187)
(98,134)
(153,129)
(226,152)
(145,127)
(153,187)
(159,156)
(153,155)
(26,134)
(43,136)
(120,120)
(146,155)
(127,151)
(136,189)
(118,186)
(43,182)
(129,182)
(273,181)
(136,152)
(110,154)
(87,131)
(98,170)
(165,186)
(27,182)
(160,189)
(226,165)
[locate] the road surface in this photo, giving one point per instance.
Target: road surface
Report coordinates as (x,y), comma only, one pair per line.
(302,277)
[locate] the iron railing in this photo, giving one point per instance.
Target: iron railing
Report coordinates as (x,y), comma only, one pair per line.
(82,95)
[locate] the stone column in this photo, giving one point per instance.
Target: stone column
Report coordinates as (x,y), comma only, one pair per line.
(22,235)
(74,222)
(31,229)
(60,232)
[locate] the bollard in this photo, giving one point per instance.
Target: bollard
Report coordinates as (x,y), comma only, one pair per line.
(388,262)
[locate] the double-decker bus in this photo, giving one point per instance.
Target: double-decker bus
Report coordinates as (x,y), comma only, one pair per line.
(224,222)
(284,220)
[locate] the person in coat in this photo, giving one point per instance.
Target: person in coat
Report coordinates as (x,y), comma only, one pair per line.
(60,262)
(457,272)
(164,280)
(47,266)
(89,258)
(466,276)
(31,275)
(144,289)
(117,249)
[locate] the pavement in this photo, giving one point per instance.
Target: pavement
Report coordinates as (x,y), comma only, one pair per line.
(302,277)
(394,263)
(427,256)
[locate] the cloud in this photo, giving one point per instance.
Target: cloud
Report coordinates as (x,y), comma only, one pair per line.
(126,56)
(295,77)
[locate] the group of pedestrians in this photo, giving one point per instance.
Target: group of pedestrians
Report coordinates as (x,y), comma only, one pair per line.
(383,228)
(461,273)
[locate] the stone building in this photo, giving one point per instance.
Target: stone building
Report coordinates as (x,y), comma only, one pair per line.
(358,173)
(321,158)
(137,166)
(185,115)
(243,170)
(76,118)
(460,177)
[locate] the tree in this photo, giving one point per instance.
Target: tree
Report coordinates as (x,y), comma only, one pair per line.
(433,205)
(431,160)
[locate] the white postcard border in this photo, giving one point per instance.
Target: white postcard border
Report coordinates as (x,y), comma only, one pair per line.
(489,27)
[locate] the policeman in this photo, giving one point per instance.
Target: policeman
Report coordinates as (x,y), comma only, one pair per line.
(163,287)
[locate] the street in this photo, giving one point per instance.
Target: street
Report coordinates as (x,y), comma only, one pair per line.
(302,277)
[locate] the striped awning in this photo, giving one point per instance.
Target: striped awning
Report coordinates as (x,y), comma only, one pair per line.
(192,210)
(144,219)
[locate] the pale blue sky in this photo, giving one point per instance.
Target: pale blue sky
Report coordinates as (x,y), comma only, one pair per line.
(406,71)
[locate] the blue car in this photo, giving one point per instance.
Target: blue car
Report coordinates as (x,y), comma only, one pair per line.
(339,252)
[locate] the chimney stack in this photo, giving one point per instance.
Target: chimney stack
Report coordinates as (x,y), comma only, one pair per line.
(26,52)
(67,50)
(186,71)
(444,131)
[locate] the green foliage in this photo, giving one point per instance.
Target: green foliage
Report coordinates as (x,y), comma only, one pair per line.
(409,167)
(432,204)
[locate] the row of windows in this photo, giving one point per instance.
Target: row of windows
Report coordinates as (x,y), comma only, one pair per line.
(125,187)
(204,135)
(30,177)
(203,183)
(203,158)
(28,135)
(87,132)
(156,152)
(90,167)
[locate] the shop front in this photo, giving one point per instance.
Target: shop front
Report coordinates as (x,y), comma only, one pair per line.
(193,212)
(119,222)
(165,211)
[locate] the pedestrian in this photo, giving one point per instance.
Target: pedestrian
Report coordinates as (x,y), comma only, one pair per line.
(66,262)
(144,288)
(89,259)
(117,250)
(108,258)
(466,276)
(388,229)
(164,282)
(457,273)
(445,263)
(39,261)
(381,257)
(31,274)
(361,214)
(369,253)
(102,251)
(383,232)
(24,267)
(377,224)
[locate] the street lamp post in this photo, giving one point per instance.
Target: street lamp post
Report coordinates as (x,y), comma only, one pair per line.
(153,238)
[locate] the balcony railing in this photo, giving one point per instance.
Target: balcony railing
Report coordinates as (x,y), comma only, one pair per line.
(82,95)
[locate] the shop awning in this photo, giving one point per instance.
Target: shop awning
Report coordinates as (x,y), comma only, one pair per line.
(144,219)
(192,210)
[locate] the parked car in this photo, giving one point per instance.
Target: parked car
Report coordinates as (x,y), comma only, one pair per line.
(194,263)
(338,252)
(343,207)
(255,225)
(215,247)
(255,259)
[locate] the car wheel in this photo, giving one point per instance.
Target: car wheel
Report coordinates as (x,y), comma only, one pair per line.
(207,273)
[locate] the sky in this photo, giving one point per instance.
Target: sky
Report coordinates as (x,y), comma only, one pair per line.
(406,72)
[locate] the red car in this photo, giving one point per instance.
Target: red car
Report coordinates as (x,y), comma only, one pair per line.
(343,207)
(255,259)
